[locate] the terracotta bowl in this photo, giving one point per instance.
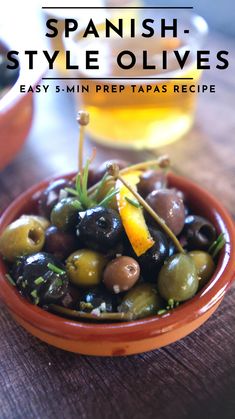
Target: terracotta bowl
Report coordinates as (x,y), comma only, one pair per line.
(113,339)
(16,109)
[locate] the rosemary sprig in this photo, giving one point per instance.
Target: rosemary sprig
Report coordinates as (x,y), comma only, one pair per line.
(217,245)
(111,193)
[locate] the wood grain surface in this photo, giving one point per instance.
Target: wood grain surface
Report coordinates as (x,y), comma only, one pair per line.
(193,378)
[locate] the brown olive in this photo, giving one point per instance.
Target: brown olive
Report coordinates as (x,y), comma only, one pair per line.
(121,274)
(169,206)
(199,232)
(205,266)
(150,181)
(60,243)
(85,267)
(22,237)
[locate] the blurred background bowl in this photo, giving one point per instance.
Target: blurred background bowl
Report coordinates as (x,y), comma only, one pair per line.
(16,108)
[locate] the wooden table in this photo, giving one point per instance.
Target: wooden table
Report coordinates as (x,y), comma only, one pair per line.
(193,378)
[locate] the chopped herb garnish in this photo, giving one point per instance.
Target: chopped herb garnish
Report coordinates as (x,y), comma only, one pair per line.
(163,311)
(58,282)
(133,202)
(55,269)
(39,280)
(10,280)
(34,294)
(171,303)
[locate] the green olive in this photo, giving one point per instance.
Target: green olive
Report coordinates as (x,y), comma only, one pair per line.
(22,237)
(108,185)
(85,267)
(141,301)
(178,278)
(44,222)
(64,215)
(205,266)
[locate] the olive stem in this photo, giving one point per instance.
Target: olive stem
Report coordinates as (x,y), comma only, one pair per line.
(114,171)
(83,120)
(81,314)
(161,162)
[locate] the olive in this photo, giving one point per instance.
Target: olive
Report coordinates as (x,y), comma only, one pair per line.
(60,243)
(41,278)
(151,180)
(205,266)
(152,260)
(100,228)
(96,173)
(169,206)
(108,185)
(199,233)
(7,77)
(22,237)
(51,195)
(85,267)
(121,274)
(99,298)
(65,214)
(71,297)
(178,278)
(44,223)
(141,301)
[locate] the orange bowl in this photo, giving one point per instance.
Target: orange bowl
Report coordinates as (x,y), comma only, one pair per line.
(16,109)
(112,339)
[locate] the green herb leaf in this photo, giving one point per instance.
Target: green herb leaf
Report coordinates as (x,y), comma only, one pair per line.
(39,280)
(71,191)
(133,202)
(217,245)
(55,269)
(108,197)
(160,312)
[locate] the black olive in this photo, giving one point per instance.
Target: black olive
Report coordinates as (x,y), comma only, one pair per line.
(60,243)
(41,278)
(100,228)
(98,298)
(152,260)
(198,232)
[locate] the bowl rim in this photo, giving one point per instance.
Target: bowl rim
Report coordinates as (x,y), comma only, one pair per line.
(152,326)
